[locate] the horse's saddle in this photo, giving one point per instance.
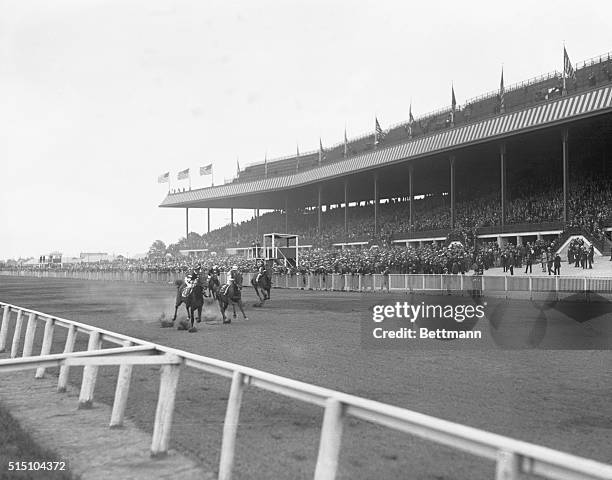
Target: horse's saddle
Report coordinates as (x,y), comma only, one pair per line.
(234,294)
(224,289)
(188,287)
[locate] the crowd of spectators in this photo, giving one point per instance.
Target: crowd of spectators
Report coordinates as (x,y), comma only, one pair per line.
(535,201)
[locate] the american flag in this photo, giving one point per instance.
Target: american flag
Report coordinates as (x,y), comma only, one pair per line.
(165,178)
(321,152)
(410,120)
(568,70)
(379,134)
(345,144)
(502,93)
(206,169)
(183,174)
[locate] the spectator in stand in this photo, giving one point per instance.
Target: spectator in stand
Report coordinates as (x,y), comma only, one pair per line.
(557,263)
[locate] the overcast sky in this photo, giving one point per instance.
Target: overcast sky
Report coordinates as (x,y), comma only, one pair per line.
(98,98)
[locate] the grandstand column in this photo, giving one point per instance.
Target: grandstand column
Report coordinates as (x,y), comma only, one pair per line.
(410,193)
(319,208)
(231,223)
(452,190)
(375,203)
(208,218)
(502,159)
(345,207)
(287,213)
(186,223)
(564,139)
(257,223)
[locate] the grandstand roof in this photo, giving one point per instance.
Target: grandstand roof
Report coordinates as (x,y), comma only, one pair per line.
(270,192)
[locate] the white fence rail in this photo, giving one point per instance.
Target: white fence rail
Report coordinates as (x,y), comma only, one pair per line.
(512,457)
(532,284)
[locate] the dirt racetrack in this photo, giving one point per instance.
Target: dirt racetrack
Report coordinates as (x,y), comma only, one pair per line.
(559,399)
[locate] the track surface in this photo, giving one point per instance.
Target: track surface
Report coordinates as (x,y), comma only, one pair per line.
(559,399)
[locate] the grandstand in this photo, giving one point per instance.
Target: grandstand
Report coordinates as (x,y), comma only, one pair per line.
(535,168)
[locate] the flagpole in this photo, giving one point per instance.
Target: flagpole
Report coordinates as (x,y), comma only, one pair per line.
(212,175)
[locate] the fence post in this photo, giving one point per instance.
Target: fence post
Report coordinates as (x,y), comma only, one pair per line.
(90,373)
(507,467)
(423,281)
(230,426)
(359,276)
(17,334)
(165,410)
(46,345)
(62,381)
(530,289)
(482,284)
(121,393)
(331,437)
(6,315)
(557,287)
(28,343)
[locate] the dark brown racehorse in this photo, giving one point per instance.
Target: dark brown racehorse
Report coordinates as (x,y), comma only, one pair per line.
(264,284)
(231,294)
(213,285)
(193,301)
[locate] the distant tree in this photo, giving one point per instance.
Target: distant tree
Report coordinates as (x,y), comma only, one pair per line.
(157,250)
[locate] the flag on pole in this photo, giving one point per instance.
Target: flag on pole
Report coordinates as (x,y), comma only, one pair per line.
(165,178)
(379,134)
(297,158)
(345,144)
(321,151)
(502,94)
(237,166)
(183,174)
(206,169)
(266,165)
(451,116)
(410,120)
(568,70)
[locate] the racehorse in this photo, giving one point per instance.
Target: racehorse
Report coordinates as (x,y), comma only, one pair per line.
(213,285)
(193,301)
(264,284)
(231,294)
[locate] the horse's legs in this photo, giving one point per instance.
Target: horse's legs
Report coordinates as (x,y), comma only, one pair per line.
(241,309)
(175,310)
(222,308)
(199,313)
(234,308)
(257,292)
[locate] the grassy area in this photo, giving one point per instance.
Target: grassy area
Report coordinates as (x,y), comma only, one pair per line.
(17,446)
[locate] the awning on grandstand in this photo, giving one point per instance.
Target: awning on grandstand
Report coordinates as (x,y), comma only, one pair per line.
(273,192)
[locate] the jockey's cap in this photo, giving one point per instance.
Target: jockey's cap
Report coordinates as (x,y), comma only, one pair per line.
(235,267)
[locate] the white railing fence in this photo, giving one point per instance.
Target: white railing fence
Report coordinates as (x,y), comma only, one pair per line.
(512,457)
(445,283)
